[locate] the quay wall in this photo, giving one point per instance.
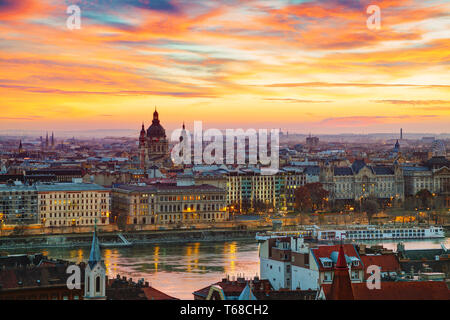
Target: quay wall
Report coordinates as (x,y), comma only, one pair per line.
(45,241)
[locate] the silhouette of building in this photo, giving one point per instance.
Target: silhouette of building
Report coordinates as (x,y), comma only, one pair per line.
(153,144)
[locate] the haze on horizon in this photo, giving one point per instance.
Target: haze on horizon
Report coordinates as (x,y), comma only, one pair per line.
(303,66)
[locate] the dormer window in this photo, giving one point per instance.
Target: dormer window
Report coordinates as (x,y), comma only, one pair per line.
(326,262)
(356,263)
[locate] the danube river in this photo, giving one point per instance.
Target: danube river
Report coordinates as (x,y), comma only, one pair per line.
(180,269)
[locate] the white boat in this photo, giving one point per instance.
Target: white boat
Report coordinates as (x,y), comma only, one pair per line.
(360,233)
(381,233)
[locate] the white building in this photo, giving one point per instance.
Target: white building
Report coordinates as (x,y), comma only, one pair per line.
(290,263)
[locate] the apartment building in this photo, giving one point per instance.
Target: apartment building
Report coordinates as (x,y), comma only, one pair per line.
(169,203)
(278,190)
(18,204)
(73,204)
(54,204)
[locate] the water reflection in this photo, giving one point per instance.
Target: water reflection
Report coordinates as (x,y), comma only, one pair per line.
(180,269)
(177,269)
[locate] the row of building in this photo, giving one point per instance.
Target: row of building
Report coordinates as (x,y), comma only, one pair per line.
(209,193)
(82,204)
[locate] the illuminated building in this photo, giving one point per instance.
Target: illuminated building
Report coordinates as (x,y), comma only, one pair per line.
(73,204)
(168,203)
(276,191)
(18,204)
(360,181)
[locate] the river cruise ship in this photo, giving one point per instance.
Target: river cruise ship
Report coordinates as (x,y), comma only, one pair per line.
(360,233)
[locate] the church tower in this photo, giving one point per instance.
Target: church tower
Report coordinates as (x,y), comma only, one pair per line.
(46,142)
(95,273)
(53,140)
(341,288)
(142,148)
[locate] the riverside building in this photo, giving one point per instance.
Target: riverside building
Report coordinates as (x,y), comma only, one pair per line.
(360,180)
(54,204)
(168,203)
(18,204)
(277,191)
(73,204)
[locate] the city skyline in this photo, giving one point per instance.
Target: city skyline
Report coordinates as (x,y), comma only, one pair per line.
(303,66)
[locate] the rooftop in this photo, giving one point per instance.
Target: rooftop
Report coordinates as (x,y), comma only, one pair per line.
(400,290)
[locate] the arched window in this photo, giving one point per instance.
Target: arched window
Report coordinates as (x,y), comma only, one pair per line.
(88,285)
(97,284)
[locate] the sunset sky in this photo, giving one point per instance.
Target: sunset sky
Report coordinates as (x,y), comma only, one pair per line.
(303,66)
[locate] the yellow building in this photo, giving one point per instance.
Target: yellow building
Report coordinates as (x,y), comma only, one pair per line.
(73,204)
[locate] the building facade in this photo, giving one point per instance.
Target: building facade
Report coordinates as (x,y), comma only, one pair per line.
(73,204)
(18,204)
(161,204)
(248,188)
(433,175)
(289,263)
(360,181)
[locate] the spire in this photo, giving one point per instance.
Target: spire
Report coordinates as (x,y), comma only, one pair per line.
(341,263)
(247,293)
(155,114)
(341,288)
(183,125)
(397,146)
(95,255)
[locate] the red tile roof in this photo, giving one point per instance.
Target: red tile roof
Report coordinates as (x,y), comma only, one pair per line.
(387,262)
(400,290)
(325,252)
(234,288)
(154,294)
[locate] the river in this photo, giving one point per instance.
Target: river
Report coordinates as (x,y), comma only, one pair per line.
(180,269)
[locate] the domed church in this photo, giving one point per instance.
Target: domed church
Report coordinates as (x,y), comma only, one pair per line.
(153,144)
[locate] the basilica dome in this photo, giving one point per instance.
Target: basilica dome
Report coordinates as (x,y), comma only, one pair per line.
(156,130)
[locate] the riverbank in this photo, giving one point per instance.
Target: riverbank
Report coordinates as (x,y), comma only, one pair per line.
(125,239)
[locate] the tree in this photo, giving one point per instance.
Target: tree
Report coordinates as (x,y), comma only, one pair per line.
(370,206)
(303,199)
(424,195)
(244,205)
(319,196)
